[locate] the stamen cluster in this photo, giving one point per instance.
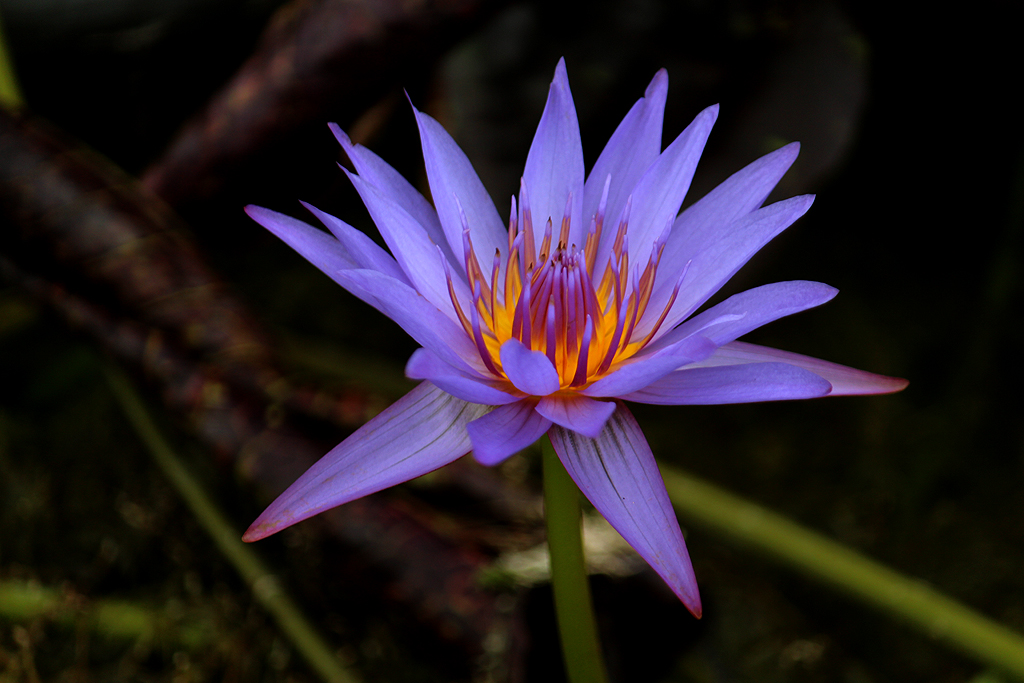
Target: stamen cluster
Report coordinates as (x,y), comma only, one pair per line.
(556,302)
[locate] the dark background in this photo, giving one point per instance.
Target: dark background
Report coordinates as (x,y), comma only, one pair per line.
(909,119)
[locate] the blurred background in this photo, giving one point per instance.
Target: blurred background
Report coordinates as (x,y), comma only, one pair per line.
(254,363)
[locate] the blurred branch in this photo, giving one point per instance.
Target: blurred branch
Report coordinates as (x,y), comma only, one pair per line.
(79,216)
(120,265)
(317,58)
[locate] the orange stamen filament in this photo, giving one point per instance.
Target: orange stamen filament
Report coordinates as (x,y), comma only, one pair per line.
(549,300)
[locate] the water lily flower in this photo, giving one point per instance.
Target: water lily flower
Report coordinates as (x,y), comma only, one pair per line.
(585,300)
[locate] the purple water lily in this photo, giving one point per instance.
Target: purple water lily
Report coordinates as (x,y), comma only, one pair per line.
(545,327)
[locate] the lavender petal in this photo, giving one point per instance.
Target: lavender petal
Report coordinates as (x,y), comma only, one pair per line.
(530,371)
(422,431)
(390,182)
(845,381)
(453,182)
(554,165)
(617,473)
(578,413)
(630,151)
(424,364)
(505,431)
(745,383)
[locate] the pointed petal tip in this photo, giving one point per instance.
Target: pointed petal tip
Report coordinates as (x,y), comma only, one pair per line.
(258,531)
(618,474)
(803,203)
(270,219)
(689,595)
(271,521)
(871,384)
(309,207)
(658,83)
(560,80)
(341,136)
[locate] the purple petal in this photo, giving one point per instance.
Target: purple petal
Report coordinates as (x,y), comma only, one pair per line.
(505,431)
(578,413)
(733,384)
(641,371)
(617,473)
(845,381)
(630,151)
(451,176)
(391,184)
(319,248)
(366,253)
(554,165)
(424,364)
(661,190)
(715,257)
(418,317)
(749,310)
(708,218)
(530,371)
(416,254)
(422,431)
(743,192)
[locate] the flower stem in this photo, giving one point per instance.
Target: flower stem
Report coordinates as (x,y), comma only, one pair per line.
(573,606)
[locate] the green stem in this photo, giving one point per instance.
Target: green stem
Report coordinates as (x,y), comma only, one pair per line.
(832,563)
(264,585)
(573,605)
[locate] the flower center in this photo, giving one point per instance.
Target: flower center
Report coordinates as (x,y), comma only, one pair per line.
(556,301)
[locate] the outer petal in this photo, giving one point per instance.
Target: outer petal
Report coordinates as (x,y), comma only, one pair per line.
(554,166)
(390,182)
(366,253)
(743,192)
(715,256)
(422,321)
(424,364)
(617,473)
(640,372)
(749,310)
(319,248)
(506,430)
(578,413)
(660,192)
(530,371)
(630,151)
(845,381)
(733,384)
(416,254)
(451,175)
(419,433)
